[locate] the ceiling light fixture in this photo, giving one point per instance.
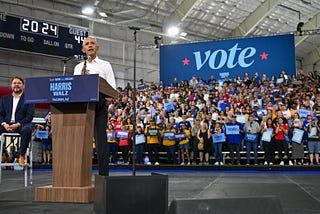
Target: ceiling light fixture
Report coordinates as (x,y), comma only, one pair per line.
(87,10)
(183,34)
(103,14)
(173,31)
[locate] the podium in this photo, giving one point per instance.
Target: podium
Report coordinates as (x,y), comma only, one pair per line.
(73,100)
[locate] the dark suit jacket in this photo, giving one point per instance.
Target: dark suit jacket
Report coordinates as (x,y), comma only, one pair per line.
(24,112)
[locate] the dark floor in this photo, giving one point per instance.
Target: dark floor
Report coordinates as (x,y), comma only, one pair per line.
(298,191)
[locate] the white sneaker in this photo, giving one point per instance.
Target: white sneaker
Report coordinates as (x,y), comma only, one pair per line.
(188,163)
(149,163)
(270,164)
(281,163)
(221,163)
(265,163)
(290,163)
(216,163)
(156,163)
(182,164)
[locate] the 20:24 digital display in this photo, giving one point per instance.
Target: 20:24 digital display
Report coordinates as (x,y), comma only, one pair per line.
(38,27)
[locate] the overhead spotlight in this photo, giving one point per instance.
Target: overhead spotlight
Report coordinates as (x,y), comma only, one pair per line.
(183,34)
(87,10)
(299,26)
(156,41)
(103,14)
(173,31)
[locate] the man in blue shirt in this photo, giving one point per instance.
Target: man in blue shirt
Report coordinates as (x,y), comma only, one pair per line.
(234,140)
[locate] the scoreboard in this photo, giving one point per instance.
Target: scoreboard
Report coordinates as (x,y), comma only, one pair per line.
(39,36)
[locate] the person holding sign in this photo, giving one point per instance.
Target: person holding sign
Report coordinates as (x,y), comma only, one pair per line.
(152,133)
(140,144)
(185,144)
(16,116)
(124,142)
(251,129)
(47,145)
(313,131)
(218,138)
(267,132)
(204,137)
(169,142)
(282,129)
(234,139)
(297,148)
(112,144)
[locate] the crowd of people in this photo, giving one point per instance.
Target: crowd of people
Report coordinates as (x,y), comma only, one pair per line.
(194,121)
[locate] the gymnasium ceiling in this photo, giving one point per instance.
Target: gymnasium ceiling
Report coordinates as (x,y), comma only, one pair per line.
(216,19)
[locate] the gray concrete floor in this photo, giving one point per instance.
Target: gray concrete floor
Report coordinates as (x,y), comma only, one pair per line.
(299,192)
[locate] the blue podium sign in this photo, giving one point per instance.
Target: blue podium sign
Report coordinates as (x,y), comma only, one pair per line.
(62,89)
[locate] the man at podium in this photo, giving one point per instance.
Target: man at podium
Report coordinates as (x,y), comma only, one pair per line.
(94,65)
(16,116)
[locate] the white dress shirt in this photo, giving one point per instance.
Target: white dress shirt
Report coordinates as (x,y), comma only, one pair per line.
(14,108)
(98,66)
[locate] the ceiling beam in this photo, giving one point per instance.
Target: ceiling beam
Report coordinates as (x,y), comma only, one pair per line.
(182,11)
(313,23)
(255,18)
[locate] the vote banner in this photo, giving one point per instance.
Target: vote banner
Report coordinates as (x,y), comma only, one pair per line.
(140,138)
(241,119)
(169,135)
(304,113)
(232,130)
(154,97)
(169,107)
(153,132)
(228,58)
(218,138)
(267,135)
(180,136)
(123,134)
(260,112)
(251,137)
(111,135)
(297,135)
(313,132)
(279,81)
(42,134)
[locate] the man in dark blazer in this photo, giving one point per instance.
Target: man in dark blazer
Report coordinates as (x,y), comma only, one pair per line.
(16,116)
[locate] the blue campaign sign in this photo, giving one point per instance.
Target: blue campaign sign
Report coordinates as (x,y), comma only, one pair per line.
(268,54)
(62,89)
(42,134)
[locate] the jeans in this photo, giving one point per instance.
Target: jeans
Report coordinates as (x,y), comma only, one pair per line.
(218,151)
(139,153)
(112,148)
(153,150)
(171,154)
(254,146)
(234,147)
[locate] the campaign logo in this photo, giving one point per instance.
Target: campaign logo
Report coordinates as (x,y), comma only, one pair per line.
(228,58)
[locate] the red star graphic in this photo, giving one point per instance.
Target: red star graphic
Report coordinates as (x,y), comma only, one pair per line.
(264,56)
(185,61)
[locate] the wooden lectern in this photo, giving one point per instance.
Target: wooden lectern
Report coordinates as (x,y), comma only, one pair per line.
(72,133)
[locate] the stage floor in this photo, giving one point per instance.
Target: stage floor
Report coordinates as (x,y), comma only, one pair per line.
(299,191)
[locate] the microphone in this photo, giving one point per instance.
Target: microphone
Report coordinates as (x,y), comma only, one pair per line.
(72,57)
(84,68)
(86,57)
